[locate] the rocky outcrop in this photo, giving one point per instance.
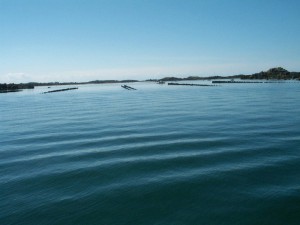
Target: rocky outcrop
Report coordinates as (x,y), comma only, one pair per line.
(277,73)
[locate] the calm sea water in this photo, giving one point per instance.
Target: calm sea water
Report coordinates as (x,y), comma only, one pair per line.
(159,155)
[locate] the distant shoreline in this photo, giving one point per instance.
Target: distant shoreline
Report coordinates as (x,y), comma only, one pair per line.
(277,73)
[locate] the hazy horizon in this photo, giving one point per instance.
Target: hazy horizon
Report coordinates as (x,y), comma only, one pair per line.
(81,41)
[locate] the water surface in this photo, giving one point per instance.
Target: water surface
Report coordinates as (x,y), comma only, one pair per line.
(159,155)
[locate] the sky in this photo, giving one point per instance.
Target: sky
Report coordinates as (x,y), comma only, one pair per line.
(84,40)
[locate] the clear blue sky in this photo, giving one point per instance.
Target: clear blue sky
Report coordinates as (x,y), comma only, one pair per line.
(82,40)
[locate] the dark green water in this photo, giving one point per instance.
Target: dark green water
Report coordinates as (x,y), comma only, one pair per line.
(159,155)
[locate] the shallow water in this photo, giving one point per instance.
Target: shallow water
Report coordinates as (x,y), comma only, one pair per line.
(159,155)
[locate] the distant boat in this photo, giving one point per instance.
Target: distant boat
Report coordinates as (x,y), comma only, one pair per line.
(160,82)
(128,87)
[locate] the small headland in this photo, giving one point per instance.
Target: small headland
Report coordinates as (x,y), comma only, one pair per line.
(5,88)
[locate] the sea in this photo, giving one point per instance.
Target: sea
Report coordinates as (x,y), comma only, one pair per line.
(157,155)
